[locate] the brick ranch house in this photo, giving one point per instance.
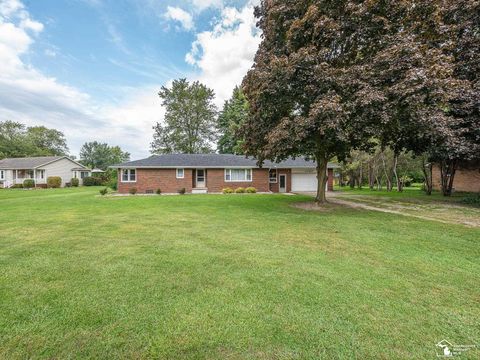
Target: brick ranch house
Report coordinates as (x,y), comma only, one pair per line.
(211,173)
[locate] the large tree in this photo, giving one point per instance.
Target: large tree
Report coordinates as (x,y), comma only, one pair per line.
(230,120)
(17,140)
(306,90)
(428,75)
(329,74)
(12,140)
(101,155)
(47,141)
(189,125)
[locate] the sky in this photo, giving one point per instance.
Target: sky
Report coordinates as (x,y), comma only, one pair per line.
(93,68)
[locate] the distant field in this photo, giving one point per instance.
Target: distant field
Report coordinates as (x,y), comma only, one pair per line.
(229,277)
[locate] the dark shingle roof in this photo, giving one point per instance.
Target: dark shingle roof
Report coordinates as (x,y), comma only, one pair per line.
(28,162)
(213,161)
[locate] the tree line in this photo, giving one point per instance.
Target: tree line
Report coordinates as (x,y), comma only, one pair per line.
(18,140)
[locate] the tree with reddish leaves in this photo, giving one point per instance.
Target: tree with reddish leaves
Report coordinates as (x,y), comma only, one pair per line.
(307,94)
(428,75)
(331,75)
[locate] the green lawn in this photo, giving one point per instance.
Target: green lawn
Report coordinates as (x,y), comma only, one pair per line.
(228,277)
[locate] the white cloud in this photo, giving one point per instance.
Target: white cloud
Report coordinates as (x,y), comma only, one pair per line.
(30,97)
(224,54)
(180,15)
(204,4)
(10,7)
(222,57)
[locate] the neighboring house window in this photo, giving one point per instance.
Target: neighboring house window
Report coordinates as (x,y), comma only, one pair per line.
(180,173)
(40,174)
(272,175)
(129,175)
(83,174)
(2,175)
(238,174)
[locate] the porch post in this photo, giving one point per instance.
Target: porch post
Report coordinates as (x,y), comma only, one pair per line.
(34,177)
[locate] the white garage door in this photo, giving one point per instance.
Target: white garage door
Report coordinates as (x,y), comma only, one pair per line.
(304,182)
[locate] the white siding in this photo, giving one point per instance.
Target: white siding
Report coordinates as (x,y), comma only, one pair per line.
(62,168)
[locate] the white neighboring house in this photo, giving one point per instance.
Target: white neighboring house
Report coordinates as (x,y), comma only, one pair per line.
(16,170)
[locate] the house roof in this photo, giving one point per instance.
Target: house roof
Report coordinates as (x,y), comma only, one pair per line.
(212,161)
(30,162)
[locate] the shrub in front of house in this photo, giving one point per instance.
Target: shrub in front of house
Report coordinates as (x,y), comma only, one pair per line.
(159,191)
(182,191)
(92,181)
(227,190)
(104,191)
(472,199)
(251,190)
(54,182)
(74,182)
(133,191)
(113,184)
(239,190)
(16,186)
(28,183)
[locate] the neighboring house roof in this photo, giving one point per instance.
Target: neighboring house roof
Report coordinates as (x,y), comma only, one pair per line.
(32,162)
(212,161)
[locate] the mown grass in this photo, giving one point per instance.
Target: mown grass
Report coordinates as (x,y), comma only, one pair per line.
(228,277)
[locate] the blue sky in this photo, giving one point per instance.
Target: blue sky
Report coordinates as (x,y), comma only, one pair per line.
(93,68)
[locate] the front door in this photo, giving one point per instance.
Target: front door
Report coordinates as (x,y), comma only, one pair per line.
(200,178)
(282,186)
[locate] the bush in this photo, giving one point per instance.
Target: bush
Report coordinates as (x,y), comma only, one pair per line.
(251,190)
(113,184)
(74,182)
(132,191)
(104,191)
(159,191)
(182,191)
(54,182)
(239,190)
(227,190)
(92,181)
(16,186)
(28,183)
(473,199)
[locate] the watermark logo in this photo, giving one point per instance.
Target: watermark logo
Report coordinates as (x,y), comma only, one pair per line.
(445,349)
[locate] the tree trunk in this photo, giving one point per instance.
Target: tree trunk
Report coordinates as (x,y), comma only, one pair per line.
(395,173)
(371,176)
(447,174)
(387,175)
(322,178)
(360,177)
(427,173)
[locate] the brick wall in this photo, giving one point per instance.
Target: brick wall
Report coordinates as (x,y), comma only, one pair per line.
(165,179)
(465,179)
(153,179)
(330,180)
(216,180)
(274,187)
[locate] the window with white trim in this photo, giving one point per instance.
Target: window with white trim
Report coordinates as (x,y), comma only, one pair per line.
(2,174)
(40,174)
(238,175)
(83,174)
(129,175)
(272,175)
(180,173)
